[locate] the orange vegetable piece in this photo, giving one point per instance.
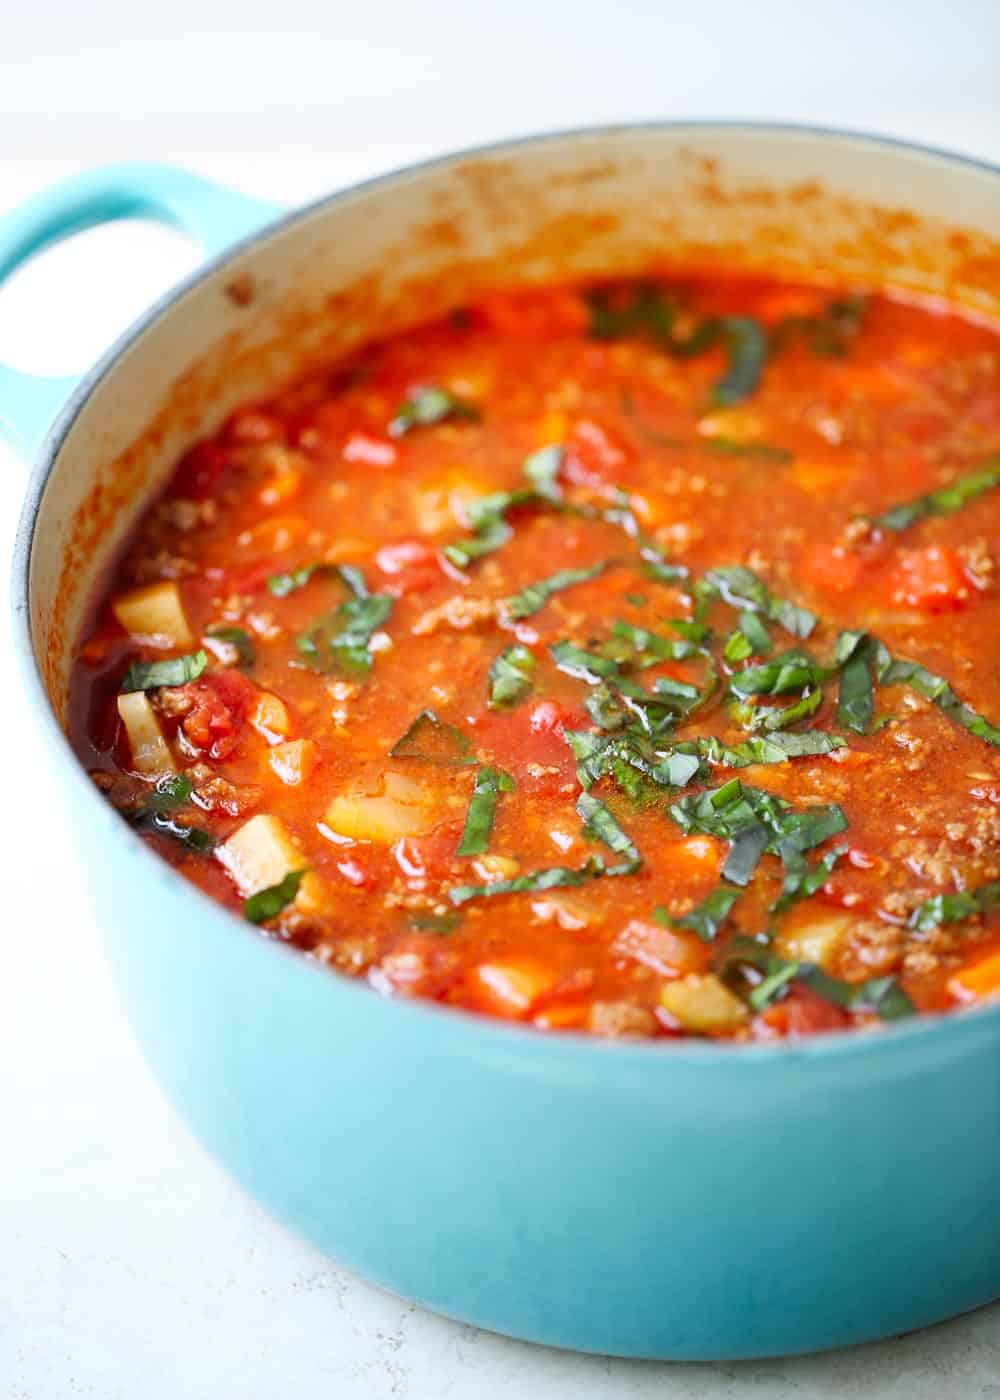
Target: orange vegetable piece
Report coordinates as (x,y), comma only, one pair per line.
(930,579)
(295,762)
(831,567)
(282,487)
(978,982)
(511,987)
(269,716)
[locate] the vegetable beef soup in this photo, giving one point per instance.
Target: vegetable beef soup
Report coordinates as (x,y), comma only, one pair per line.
(619,659)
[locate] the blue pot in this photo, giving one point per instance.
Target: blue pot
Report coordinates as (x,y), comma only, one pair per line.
(666,1200)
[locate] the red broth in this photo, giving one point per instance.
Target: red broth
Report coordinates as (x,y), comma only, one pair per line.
(617,659)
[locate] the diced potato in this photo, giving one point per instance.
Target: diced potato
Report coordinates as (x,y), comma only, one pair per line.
(154,615)
(493,868)
(269,716)
(294,762)
(260,854)
(703,1004)
(151,754)
(404,808)
(813,936)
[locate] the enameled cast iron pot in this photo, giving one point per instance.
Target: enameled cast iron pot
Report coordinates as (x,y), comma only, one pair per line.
(665,1200)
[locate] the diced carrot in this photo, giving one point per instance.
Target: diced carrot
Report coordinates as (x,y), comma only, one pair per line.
(511,987)
(294,762)
(978,982)
(282,487)
(567,1016)
(830,567)
(930,579)
(269,716)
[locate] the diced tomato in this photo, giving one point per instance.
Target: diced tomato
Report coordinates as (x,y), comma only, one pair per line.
(802,1012)
(222,701)
(665,950)
(370,450)
(534,315)
(200,471)
(356,873)
(931,580)
(528,742)
(831,567)
(410,566)
(594,456)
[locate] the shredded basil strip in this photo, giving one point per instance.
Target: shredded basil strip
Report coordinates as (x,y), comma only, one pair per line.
(490,783)
(280,585)
(436,923)
(589,666)
(599,823)
(339,640)
(882,995)
(792,670)
(268,904)
(945,501)
(550,878)
(431,740)
(803,880)
(770,748)
(746,348)
(511,677)
(755,821)
(536,595)
(754,451)
(542,470)
(171,791)
(488,514)
(429,406)
(950,908)
(829,333)
(195,838)
(238,638)
(706,918)
(150,675)
(741,588)
(865,663)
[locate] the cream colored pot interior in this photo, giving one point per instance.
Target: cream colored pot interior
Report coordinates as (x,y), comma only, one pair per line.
(841,209)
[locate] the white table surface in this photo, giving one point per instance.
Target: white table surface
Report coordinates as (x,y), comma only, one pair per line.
(131,1268)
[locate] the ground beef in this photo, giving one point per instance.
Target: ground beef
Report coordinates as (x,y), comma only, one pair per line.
(459,613)
(620,1020)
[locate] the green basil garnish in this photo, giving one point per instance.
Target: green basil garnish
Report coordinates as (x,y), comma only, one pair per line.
(268,904)
(490,783)
(706,918)
(553,877)
(741,588)
(746,348)
(429,406)
(431,740)
(511,677)
(238,638)
(339,640)
(150,675)
(945,501)
(536,595)
(599,823)
(950,908)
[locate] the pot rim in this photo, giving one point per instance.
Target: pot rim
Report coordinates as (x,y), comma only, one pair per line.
(591,1051)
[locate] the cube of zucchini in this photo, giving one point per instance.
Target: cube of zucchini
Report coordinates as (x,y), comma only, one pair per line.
(259,854)
(703,1004)
(151,754)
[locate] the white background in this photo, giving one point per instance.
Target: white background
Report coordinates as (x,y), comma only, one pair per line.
(130,1268)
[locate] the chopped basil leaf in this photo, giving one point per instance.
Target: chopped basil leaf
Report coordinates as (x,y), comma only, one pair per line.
(490,783)
(644,648)
(494,532)
(436,923)
(792,670)
(755,821)
(774,748)
(548,879)
(950,908)
(339,639)
(736,649)
(756,451)
(582,665)
(882,995)
(536,595)
(706,918)
(654,566)
(803,880)
(856,693)
(741,588)
(944,501)
(638,600)
(599,823)
(771,718)
(268,904)
(746,350)
(170,791)
(430,740)
(150,675)
(828,333)
(280,585)
(237,638)
(427,407)
(511,677)
(542,470)
(195,838)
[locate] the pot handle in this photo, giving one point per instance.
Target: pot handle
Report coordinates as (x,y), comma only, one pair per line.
(213,216)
